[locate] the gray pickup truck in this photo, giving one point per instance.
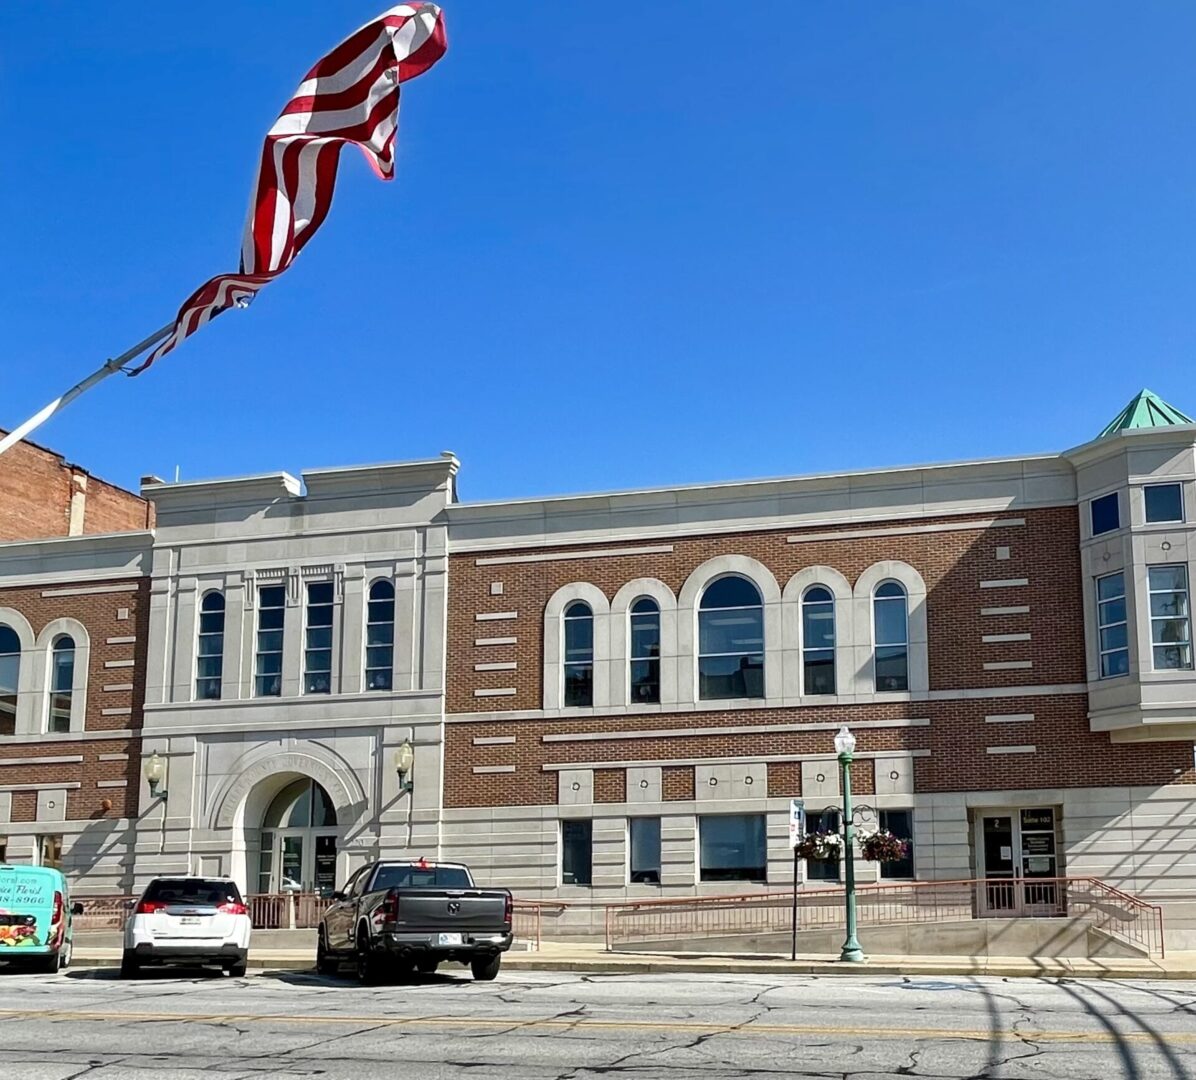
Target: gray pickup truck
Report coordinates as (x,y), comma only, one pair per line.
(393,918)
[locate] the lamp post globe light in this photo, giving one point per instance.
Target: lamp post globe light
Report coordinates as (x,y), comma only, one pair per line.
(851,953)
(154,771)
(404,759)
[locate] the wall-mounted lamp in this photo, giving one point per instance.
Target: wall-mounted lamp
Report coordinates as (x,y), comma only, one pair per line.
(404,759)
(154,771)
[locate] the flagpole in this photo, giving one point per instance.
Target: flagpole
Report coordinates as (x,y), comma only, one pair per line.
(111,367)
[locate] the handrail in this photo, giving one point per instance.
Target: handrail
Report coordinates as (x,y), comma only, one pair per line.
(1132,919)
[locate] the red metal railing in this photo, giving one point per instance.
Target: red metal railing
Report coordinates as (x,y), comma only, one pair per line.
(1108,909)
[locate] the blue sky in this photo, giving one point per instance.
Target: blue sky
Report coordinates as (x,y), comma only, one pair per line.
(689,241)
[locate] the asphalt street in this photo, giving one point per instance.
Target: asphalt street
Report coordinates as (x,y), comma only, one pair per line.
(574,1027)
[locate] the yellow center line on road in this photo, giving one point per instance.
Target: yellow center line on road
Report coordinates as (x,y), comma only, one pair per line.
(581,1023)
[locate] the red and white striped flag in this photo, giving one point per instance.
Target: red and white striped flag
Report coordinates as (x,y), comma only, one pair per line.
(350,96)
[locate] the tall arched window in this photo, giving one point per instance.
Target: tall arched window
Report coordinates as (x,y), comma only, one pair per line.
(731,640)
(890,620)
(10,672)
(579,654)
(62,681)
(818,641)
(645,651)
(209,663)
(380,637)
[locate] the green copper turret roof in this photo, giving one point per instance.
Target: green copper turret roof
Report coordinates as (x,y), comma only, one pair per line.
(1147,410)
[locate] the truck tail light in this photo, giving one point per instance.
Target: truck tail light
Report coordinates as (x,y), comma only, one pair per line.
(233,907)
(390,906)
(58,909)
(509,911)
(148,907)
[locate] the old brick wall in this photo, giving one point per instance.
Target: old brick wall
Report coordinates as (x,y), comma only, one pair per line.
(106,615)
(36,486)
(1045,551)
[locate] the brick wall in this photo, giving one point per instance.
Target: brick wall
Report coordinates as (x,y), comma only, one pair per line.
(1045,550)
(100,614)
(1067,753)
(36,487)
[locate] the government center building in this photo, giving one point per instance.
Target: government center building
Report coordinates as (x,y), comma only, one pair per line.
(593,698)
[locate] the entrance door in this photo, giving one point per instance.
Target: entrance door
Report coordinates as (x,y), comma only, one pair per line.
(306,860)
(1016,857)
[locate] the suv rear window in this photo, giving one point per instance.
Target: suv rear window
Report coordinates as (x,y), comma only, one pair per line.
(193,891)
(415,877)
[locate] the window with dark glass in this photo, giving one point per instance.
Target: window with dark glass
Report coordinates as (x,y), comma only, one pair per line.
(1111,626)
(1106,516)
(818,641)
(209,664)
(62,681)
(1164,502)
(829,821)
(10,673)
(579,654)
(645,652)
(890,617)
(317,643)
(644,861)
(1170,618)
(577,852)
(901,824)
(730,641)
(380,637)
(271,612)
(731,847)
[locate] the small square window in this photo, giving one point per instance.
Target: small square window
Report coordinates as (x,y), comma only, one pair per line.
(1105,514)
(1164,502)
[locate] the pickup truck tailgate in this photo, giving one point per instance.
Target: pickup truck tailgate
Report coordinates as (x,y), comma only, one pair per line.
(451,910)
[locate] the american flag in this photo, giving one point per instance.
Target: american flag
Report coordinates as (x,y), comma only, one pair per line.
(350,96)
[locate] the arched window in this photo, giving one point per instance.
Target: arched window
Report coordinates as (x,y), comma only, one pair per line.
(645,651)
(380,637)
(731,640)
(10,672)
(209,663)
(579,654)
(818,641)
(62,681)
(890,620)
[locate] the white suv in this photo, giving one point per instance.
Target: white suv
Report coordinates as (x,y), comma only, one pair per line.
(187,920)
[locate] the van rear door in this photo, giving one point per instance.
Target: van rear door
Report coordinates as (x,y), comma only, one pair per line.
(26,906)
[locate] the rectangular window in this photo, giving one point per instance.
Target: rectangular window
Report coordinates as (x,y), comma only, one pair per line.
(49,851)
(577,852)
(901,824)
(1164,502)
(271,612)
(731,848)
(317,643)
(1170,621)
(644,842)
(830,821)
(1106,515)
(1111,626)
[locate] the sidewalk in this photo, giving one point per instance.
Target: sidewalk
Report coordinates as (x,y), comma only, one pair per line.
(560,956)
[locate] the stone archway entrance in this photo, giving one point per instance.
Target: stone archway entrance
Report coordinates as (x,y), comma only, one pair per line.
(298,841)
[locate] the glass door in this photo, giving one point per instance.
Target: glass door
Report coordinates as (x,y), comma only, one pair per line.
(1018,862)
(999,893)
(291,866)
(323,877)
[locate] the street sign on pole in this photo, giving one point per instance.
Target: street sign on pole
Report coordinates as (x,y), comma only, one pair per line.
(797,821)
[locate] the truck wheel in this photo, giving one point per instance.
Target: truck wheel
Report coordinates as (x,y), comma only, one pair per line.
(369,969)
(486,968)
(130,966)
(428,965)
(325,962)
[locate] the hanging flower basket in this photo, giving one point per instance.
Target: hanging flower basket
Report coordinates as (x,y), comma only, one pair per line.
(883,846)
(820,845)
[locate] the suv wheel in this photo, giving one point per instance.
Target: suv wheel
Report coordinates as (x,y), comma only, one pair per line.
(130,966)
(237,970)
(485,968)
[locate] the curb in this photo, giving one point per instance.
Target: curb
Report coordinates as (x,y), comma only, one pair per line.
(675,966)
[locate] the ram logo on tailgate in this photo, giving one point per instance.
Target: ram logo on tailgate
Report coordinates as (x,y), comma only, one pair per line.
(454,908)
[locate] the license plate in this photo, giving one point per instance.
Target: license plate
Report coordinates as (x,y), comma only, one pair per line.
(189,920)
(450,939)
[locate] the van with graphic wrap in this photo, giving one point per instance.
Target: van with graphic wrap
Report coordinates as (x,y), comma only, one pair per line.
(35,918)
